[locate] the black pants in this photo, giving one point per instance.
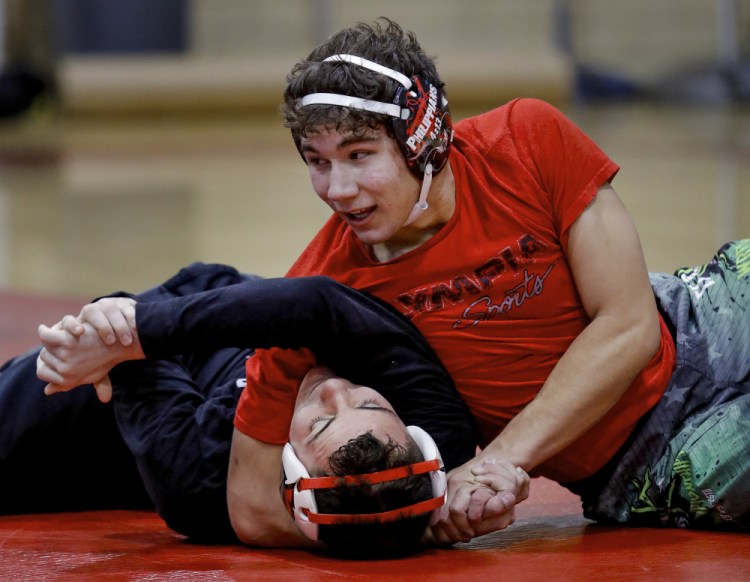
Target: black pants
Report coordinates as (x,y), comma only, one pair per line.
(163,441)
(60,453)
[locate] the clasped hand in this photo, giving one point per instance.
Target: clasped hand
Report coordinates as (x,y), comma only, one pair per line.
(481,499)
(83,349)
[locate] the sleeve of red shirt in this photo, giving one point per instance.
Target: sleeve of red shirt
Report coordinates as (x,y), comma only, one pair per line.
(264,411)
(567,163)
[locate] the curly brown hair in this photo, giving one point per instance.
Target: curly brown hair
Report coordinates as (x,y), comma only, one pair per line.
(383,42)
(367,454)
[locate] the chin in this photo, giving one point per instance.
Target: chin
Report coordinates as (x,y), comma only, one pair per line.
(373,237)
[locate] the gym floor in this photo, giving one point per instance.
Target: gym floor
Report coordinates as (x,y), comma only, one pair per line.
(92,205)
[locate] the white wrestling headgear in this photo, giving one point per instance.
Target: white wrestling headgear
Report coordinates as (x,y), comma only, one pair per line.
(299,498)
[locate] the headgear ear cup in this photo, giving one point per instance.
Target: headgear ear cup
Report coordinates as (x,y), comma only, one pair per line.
(438,479)
(297,500)
(426,135)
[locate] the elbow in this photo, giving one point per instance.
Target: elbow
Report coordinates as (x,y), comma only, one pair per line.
(253,532)
(262,534)
(261,528)
(246,533)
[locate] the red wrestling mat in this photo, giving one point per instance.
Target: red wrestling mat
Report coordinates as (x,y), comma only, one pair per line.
(549,541)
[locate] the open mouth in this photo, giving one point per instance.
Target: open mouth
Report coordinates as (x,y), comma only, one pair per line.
(360,214)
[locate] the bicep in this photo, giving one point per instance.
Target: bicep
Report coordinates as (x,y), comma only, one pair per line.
(606,258)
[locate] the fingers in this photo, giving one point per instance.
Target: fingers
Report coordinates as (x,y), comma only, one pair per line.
(51,389)
(49,368)
(72,325)
(455,524)
(53,336)
(522,492)
(477,505)
(96,318)
(499,503)
(428,538)
(66,361)
(104,389)
(112,318)
(56,383)
(458,527)
(497,523)
(503,476)
(48,374)
(486,511)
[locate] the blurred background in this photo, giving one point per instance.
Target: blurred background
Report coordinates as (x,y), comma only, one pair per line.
(139,136)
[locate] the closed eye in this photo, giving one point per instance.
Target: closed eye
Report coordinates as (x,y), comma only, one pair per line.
(314,421)
(371,403)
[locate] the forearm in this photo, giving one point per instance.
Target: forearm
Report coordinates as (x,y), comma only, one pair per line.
(609,271)
(586,383)
(261,313)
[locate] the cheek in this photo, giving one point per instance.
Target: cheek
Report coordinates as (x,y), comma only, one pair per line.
(384,178)
(319,181)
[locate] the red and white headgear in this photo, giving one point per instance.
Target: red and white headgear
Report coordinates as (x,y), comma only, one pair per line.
(419,115)
(299,497)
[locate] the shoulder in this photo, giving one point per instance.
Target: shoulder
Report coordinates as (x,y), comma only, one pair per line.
(517,120)
(519,110)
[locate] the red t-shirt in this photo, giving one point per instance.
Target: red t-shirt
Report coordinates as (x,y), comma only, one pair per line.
(492,290)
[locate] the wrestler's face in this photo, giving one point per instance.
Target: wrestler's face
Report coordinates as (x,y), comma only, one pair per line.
(364,179)
(330,411)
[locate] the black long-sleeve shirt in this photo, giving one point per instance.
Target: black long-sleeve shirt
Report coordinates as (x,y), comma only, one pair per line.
(358,336)
(182,447)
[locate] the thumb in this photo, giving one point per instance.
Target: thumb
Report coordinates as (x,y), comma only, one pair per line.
(103,389)
(500,503)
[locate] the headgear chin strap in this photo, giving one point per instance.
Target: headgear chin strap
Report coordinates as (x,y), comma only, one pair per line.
(300,499)
(421,121)
(421,204)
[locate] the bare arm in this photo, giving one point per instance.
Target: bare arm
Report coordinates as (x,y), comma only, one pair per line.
(607,262)
(612,280)
(256,508)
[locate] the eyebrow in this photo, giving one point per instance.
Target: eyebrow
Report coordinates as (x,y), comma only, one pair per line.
(327,424)
(346,142)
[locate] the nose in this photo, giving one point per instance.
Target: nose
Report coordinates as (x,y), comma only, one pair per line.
(334,394)
(341,183)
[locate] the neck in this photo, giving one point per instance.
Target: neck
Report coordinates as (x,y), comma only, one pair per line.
(442,204)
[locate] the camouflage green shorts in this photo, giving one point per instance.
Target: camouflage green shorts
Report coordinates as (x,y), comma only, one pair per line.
(688,462)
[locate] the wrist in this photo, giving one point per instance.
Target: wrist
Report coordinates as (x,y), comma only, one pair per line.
(134,351)
(497,453)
